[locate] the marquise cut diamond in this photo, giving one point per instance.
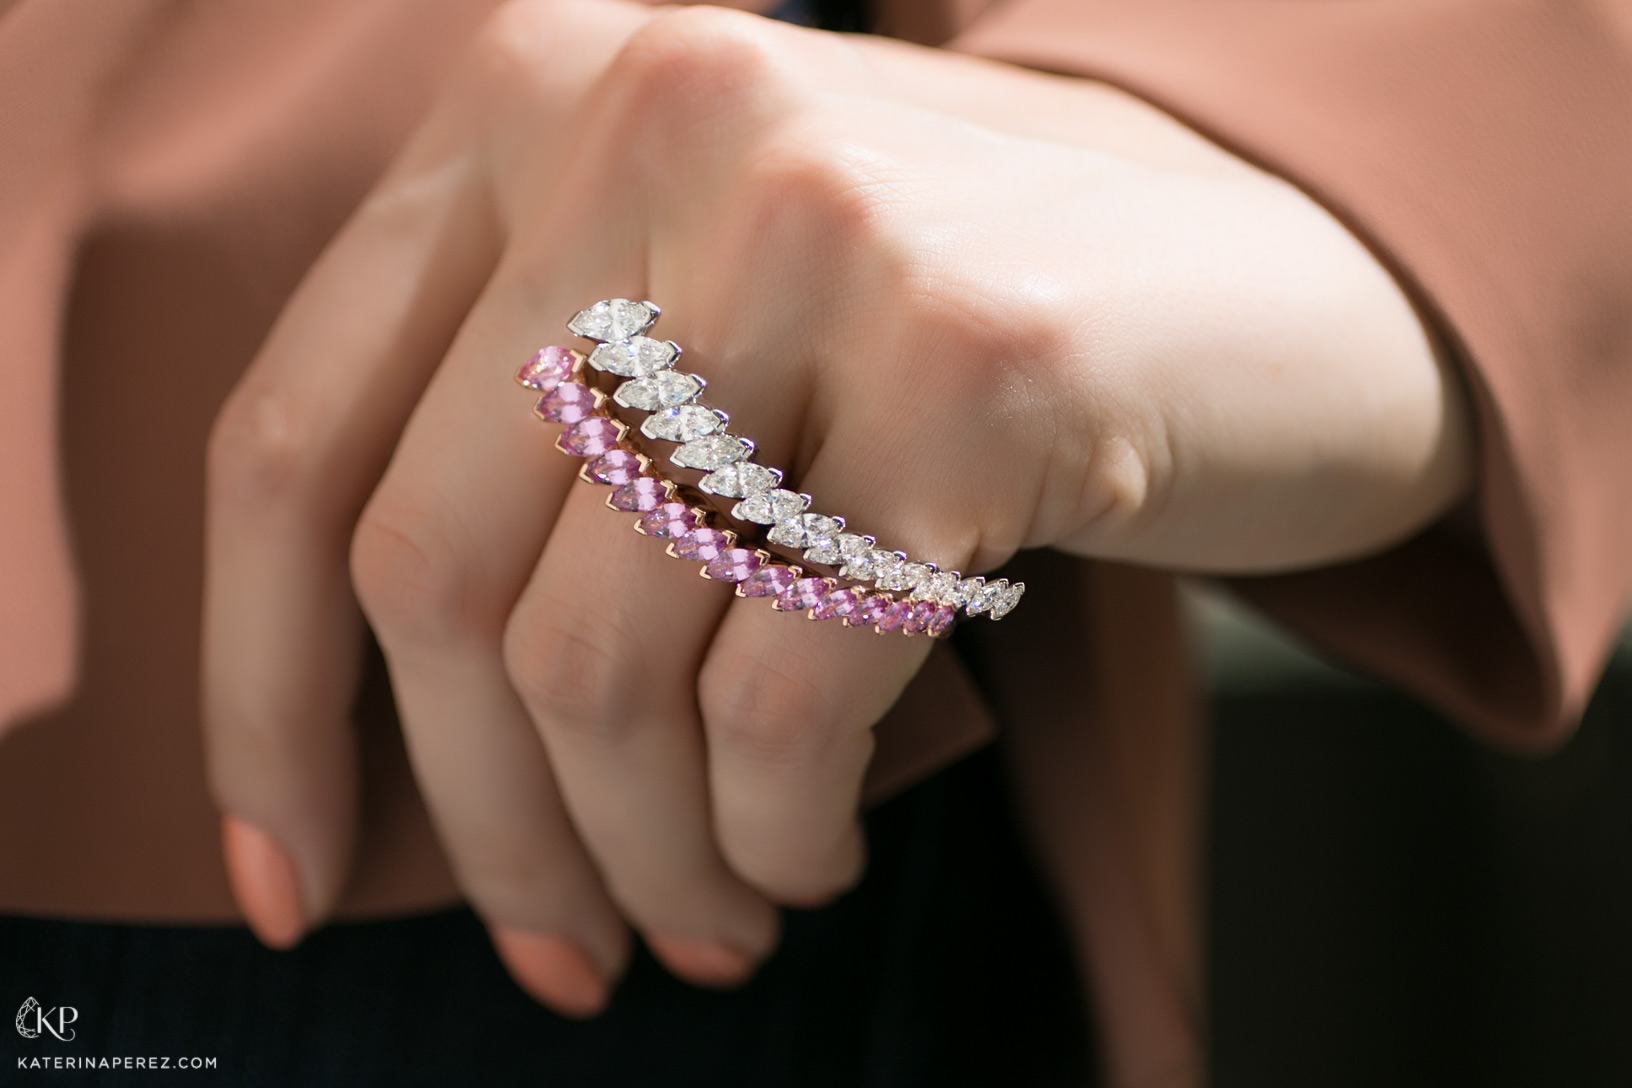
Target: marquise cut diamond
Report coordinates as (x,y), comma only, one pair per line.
(682,424)
(965,590)
(825,550)
(740,480)
(886,566)
(1004,603)
(855,553)
(806,531)
(903,576)
(635,357)
(985,597)
(613,319)
(665,389)
(770,507)
(938,587)
(712,452)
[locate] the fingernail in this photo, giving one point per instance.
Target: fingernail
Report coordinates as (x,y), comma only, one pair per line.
(555,972)
(264,883)
(706,963)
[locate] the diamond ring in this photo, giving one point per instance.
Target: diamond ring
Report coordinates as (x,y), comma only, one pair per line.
(907,595)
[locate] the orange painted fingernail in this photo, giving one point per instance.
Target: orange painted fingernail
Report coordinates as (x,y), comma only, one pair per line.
(706,963)
(555,972)
(264,883)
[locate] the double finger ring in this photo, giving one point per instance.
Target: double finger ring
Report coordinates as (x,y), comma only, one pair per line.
(869,585)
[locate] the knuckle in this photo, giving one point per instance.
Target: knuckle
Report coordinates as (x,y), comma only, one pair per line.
(688,66)
(510,53)
(414,583)
(838,196)
(772,716)
(562,664)
(260,452)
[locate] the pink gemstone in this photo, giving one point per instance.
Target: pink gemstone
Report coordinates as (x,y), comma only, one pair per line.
(836,605)
(869,610)
(546,370)
(918,619)
(771,580)
(803,594)
(733,565)
(615,467)
(670,521)
(941,620)
(566,403)
(638,495)
(701,545)
(895,615)
(589,437)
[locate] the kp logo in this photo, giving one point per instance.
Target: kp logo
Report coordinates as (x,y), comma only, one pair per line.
(32,1019)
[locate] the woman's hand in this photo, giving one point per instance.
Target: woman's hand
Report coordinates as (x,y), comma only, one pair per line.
(971,308)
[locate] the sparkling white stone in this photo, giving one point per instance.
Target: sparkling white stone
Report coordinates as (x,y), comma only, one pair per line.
(938,587)
(1005,601)
(613,319)
(714,451)
(682,424)
(738,481)
(806,531)
(985,597)
(770,507)
(886,566)
(636,357)
(665,389)
(855,555)
(906,576)
(965,590)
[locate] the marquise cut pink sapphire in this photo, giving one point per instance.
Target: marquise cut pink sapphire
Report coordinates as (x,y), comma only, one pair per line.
(869,610)
(615,467)
(670,521)
(639,495)
(568,402)
(894,616)
(546,370)
(734,565)
(701,545)
(941,620)
(918,619)
(770,580)
(804,594)
(836,605)
(589,437)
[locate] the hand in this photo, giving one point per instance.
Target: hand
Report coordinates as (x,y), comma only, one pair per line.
(971,308)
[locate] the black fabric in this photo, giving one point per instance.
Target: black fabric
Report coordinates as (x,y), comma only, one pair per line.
(945,967)
(848,16)
(1394,904)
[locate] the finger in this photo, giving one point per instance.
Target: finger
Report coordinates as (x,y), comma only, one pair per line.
(292,456)
(294,453)
(605,643)
(439,557)
(604,646)
(789,706)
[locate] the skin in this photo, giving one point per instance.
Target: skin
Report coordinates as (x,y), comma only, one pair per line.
(971,308)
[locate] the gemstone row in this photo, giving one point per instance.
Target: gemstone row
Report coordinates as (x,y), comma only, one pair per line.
(636,487)
(705,444)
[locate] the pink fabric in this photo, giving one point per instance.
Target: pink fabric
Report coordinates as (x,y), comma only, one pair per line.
(1481,150)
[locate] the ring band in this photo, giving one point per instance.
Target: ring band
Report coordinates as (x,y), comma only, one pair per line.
(913,597)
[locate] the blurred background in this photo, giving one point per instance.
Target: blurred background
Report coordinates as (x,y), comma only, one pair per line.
(1394,904)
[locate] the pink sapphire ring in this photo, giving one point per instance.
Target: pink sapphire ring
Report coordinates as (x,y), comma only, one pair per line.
(905,595)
